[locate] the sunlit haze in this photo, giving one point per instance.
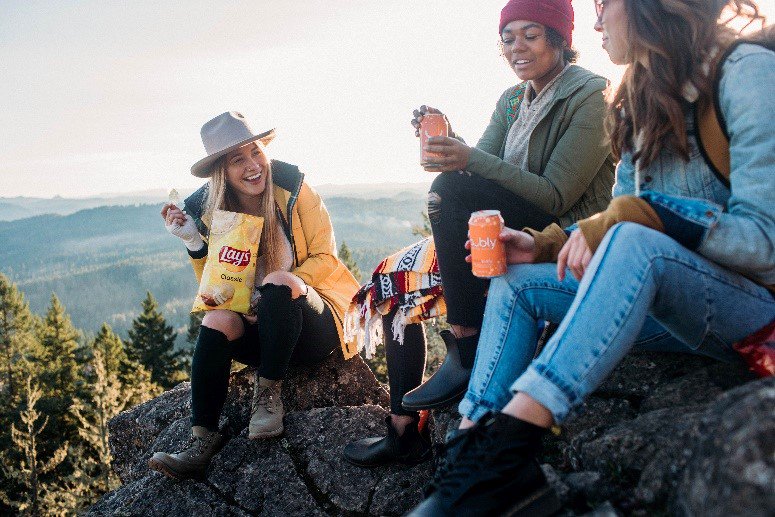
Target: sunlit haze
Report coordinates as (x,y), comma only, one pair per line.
(106,97)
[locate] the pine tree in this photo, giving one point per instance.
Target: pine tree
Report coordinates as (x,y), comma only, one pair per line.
(192,335)
(194,323)
(60,375)
(132,376)
(152,344)
(17,341)
(107,399)
(424,229)
(346,256)
(110,346)
(23,465)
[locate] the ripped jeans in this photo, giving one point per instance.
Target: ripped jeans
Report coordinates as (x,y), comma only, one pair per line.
(452,198)
(642,289)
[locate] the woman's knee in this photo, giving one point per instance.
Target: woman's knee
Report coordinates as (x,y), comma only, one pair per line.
(635,242)
(296,284)
(443,182)
(442,193)
(225,321)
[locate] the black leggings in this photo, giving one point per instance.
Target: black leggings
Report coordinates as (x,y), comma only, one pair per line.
(288,330)
(451,200)
(405,362)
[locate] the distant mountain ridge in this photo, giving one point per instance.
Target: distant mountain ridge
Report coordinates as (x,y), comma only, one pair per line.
(20,207)
(101,261)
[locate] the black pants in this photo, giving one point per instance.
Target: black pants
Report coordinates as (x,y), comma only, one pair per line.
(288,330)
(405,362)
(451,200)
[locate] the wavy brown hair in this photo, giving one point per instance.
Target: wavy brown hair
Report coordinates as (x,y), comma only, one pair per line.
(672,43)
(221,197)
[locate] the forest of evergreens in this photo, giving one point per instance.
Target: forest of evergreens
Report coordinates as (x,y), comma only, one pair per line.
(59,390)
(61,382)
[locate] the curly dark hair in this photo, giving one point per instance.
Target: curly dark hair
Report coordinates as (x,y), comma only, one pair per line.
(569,54)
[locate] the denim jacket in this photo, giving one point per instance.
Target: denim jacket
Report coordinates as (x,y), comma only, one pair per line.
(733,227)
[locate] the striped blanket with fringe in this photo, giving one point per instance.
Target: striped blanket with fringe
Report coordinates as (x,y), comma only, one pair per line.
(408,281)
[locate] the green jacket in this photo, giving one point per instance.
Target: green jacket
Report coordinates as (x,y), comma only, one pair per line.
(571,166)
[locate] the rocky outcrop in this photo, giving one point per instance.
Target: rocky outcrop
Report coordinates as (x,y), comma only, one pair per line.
(666,433)
(162,424)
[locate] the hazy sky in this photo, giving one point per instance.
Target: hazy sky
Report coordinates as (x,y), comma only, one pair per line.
(109,96)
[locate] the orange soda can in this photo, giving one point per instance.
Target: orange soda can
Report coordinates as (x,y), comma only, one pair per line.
(432,124)
(488,254)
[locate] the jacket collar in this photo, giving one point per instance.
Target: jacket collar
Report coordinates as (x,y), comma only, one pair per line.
(575,77)
(286,179)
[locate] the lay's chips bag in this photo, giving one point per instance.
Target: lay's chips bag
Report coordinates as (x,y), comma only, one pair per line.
(230,271)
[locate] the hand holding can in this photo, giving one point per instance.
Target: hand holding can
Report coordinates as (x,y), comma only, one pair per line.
(488,253)
(432,124)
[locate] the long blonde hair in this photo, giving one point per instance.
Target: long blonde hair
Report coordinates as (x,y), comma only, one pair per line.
(221,197)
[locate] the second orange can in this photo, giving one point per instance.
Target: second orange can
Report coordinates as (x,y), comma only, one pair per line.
(488,254)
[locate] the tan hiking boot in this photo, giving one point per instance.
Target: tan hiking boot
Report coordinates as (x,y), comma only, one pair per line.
(191,462)
(266,417)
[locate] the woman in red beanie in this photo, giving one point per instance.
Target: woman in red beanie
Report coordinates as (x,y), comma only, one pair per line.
(682,260)
(543,158)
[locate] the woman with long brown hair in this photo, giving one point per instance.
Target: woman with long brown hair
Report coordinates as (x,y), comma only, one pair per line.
(302,288)
(683,259)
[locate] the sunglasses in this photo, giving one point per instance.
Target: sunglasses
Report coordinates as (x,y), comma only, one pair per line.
(599,7)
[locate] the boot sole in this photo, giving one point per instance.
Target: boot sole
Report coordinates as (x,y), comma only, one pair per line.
(267,434)
(435,405)
(425,457)
(168,471)
(542,503)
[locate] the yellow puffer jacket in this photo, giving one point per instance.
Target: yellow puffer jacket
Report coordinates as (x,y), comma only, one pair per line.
(311,237)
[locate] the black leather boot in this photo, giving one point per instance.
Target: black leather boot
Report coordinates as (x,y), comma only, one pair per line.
(494,472)
(448,384)
(412,447)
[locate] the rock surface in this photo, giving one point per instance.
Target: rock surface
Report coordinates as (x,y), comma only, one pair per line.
(666,433)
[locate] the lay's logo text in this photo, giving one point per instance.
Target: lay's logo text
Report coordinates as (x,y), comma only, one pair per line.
(235,257)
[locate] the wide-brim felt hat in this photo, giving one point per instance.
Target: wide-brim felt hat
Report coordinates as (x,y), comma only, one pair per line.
(223,134)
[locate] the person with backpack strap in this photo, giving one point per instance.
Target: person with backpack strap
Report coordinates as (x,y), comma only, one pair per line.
(679,261)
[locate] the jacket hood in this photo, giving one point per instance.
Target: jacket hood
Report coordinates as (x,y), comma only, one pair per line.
(575,78)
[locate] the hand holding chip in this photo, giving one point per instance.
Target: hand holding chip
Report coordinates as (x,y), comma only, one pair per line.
(182,225)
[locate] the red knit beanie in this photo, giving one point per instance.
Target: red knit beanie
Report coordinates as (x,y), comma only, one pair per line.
(557,14)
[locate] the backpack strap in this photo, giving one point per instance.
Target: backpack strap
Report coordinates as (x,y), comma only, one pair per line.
(712,136)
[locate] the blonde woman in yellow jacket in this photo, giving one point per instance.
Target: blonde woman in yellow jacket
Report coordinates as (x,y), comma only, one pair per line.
(302,288)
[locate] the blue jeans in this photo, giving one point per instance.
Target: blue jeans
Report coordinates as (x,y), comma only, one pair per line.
(641,289)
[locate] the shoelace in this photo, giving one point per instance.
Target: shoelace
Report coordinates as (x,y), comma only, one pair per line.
(443,463)
(198,443)
(263,397)
(477,443)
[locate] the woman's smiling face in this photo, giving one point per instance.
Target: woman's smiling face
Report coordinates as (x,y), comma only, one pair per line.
(612,24)
(246,170)
(528,51)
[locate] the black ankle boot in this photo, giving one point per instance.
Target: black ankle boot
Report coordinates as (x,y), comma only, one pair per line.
(450,381)
(445,455)
(412,447)
(495,472)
